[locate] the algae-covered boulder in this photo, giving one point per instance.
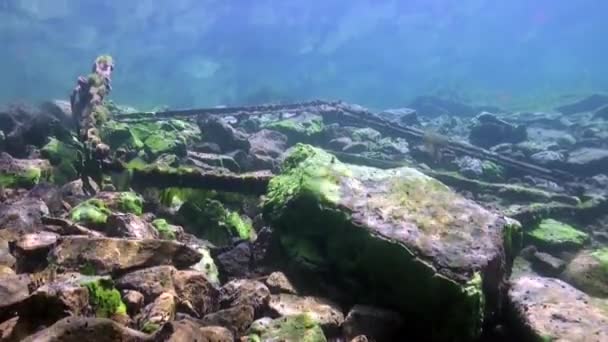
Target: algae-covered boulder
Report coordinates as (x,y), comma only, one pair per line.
(300,328)
(95,211)
(154,138)
(588,271)
(552,235)
(411,242)
(305,127)
(64,159)
(22,173)
(207,218)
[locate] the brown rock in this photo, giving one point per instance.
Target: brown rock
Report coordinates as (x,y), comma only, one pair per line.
(6,271)
(237,319)
(108,255)
(129,226)
(374,323)
(150,282)
(32,249)
(80,329)
(188,330)
(6,258)
(13,290)
(198,296)
(278,283)
(157,313)
(325,312)
(24,215)
(549,309)
(245,292)
(134,301)
(60,297)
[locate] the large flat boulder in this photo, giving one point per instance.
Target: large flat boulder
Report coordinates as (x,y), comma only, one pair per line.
(407,239)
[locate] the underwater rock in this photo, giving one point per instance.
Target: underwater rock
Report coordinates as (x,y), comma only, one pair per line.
(24,216)
(189,330)
(587,161)
(279,283)
(157,313)
(490,131)
(129,226)
(548,309)
(547,157)
(588,271)
(25,125)
(215,160)
(13,290)
(31,250)
(94,212)
(79,329)
(323,311)
(356,147)
(108,255)
(133,300)
(216,130)
(555,236)
(237,319)
(150,282)
(64,159)
(432,106)
(6,258)
(305,127)
(266,148)
(293,328)
(236,262)
(351,219)
(22,173)
(403,116)
(208,219)
(587,104)
(245,292)
(374,323)
(338,144)
(50,194)
(546,264)
(196,293)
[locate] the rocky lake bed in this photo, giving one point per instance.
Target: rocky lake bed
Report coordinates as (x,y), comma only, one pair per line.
(319,221)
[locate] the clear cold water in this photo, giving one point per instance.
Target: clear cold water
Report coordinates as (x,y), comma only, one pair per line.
(378,53)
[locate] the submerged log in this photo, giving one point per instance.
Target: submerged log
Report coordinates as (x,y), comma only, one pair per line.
(254,183)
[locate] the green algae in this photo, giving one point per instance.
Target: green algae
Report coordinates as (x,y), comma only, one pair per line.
(105,299)
(209,219)
(601,255)
(64,159)
(119,135)
(24,179)
(150,328)
(302,128)
(492,171)
(553,235)
(130,202)
(164,229)
(295,328)
(92,211)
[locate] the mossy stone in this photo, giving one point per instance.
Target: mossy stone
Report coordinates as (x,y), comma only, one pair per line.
(90,212)
(105,299)
(130,202)
(553,235)
(64,159)
(164,229)
(387,231)
(301,328)
(119,135)
(301,128)
(24,179)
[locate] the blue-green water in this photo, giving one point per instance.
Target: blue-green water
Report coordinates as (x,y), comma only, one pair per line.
(378,53)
